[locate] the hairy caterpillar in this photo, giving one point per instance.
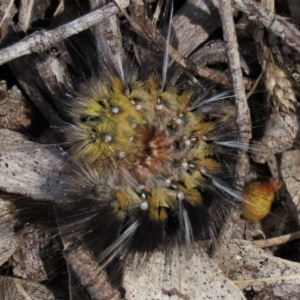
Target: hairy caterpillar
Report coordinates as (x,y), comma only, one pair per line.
(150,162)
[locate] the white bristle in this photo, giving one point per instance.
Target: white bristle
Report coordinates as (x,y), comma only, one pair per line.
(220,96)
(108,138)
(122,154)
(110,253)
(115,110)
(180,195)
(232,144)
(187,142)
(188,231)
(184,165)
(144,205)
(168,181)
(222,186)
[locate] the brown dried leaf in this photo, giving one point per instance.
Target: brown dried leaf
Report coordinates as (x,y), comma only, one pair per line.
(180,277)
(252,269)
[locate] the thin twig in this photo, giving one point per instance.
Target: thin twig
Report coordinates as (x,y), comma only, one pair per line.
(277,240)
(242,110)
(243,113)
(43,40)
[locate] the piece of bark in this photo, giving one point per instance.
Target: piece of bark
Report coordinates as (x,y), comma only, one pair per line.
(18,289)
(281,133)
(54,74)
(289,167)
(25,13)
(16,113)
(180,277)
(8,239)
(33,170)
(252,269)
(35,88)
(35,258)
(193,24)
(108,39)
(7,12)
(214,52)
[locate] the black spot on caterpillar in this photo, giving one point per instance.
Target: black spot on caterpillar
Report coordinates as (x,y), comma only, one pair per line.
(144,161)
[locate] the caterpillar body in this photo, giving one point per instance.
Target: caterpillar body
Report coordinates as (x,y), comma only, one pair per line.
(145,162)
(157,152)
